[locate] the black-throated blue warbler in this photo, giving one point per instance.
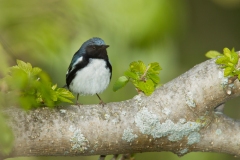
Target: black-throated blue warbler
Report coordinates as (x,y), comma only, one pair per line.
(90,71)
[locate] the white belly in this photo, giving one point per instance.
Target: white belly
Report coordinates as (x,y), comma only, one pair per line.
(92,79)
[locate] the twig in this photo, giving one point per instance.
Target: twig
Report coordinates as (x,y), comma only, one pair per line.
(102,157)
(144,74)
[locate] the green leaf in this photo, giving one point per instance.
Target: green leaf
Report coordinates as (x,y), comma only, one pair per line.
(54,96)
(121,82)
(18,79)
(64,99)
(236,72)
(28,101)
(145,79)
(234,58)
(227,52)
(54,87)
(36,70)
(44,78)
(222,60)
(27,67)
(146,87)
(138,67)
(229,64)
(154,68)
(155,78)
(228,71)
(130,74)
(65,93)
(213,54)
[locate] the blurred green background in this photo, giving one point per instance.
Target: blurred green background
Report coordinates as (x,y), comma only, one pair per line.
(176,34)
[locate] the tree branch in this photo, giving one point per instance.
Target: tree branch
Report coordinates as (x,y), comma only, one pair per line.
(177,117)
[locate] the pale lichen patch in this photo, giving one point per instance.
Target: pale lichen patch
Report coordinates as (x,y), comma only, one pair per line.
(218,132)
(166,111)
(149,123)
(78,140)
(137,97)
(220,74)
(224,79)
(128,135)
(183,151)
(124,113)
(182,120)
(189,100)
(194,137)
(106,116)
(65,153)
(63,111)
(115,121)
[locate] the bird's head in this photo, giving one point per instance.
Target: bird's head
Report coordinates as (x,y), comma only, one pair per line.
(94,48)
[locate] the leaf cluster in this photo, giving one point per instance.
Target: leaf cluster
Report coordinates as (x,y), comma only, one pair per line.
(144,78)
(228,61)
(30,87)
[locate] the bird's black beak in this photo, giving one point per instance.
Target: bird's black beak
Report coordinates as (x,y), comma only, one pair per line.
(104,46)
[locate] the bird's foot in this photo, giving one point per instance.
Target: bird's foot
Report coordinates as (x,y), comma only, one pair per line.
(78,104)
(102,103)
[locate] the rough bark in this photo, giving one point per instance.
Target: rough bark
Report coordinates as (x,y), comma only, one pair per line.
(179,117)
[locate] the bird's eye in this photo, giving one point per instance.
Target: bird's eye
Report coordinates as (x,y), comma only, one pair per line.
(93,47)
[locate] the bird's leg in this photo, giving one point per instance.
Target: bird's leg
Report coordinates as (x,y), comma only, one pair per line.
(101,101)
(77,100)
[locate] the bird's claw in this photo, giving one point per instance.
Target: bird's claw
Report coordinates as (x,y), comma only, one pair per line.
(78,104)
(102,103)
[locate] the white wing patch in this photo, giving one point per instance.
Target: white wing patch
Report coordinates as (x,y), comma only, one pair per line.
(77,61)
(74,64)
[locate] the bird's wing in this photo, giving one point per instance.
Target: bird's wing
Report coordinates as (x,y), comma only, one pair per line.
(110,68)
(78,64)
(76,56)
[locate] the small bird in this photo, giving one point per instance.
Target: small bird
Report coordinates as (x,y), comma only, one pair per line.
(90,71)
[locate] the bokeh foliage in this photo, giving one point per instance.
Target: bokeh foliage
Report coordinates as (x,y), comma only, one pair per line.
(175,34)
(30,87)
